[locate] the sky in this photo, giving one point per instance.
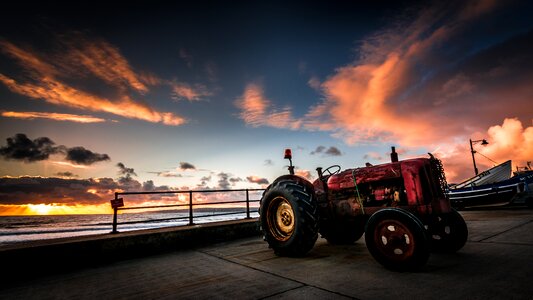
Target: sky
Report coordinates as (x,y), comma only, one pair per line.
(149,96)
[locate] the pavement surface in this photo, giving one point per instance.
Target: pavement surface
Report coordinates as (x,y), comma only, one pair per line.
(496,263)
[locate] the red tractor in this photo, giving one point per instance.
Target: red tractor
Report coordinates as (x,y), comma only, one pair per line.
(402,207)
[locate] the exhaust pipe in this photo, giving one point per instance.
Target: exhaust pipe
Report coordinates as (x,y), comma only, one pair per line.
(393,155)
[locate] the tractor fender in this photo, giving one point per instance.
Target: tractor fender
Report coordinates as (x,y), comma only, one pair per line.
(296,178)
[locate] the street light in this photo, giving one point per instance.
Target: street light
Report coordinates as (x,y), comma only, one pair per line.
(483,142)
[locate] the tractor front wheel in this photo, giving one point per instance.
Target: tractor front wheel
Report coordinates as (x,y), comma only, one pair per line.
(289,218)
(397,239)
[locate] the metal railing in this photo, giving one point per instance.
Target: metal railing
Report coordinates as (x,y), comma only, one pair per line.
(118,204)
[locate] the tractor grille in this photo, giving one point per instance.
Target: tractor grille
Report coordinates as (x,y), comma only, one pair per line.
(437,172)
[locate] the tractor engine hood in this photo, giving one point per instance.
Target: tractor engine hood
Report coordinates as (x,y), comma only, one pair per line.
(345,179)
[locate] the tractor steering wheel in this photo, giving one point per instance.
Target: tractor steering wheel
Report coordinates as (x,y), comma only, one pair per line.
(332,170)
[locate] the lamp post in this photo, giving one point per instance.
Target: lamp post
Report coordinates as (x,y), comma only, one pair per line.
(483,142)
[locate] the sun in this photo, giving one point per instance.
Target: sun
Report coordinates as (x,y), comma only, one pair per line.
(40,209)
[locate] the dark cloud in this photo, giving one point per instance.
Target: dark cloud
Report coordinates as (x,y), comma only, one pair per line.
(234,180)
(127,172)
(331,151)
(203,182)
(187,166)
(318,150)
(126,179)
(223,180)
(37,190)
(257,180)
(167,174)
(149,186)
(82,156)
(66,174)
(268,162)
(20,147)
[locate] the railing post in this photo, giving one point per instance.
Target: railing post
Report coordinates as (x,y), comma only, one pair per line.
(114,220)
(115,210)
(247,205)
(191,217)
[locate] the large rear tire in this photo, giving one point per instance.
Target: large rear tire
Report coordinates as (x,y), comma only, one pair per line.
(289,217)
(448,232)
(397,239)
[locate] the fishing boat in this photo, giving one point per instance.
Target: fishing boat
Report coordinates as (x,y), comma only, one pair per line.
(499,189)
(495,174)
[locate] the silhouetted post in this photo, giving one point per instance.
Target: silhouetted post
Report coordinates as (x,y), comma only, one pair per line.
(115,210)
(191,218)
(483,142)
(247,205)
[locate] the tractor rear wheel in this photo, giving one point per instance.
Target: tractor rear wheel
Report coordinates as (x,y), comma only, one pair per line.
(343,232)
(289,217)
(448,232)
(397,239)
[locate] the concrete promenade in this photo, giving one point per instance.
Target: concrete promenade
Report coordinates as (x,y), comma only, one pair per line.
(496,263)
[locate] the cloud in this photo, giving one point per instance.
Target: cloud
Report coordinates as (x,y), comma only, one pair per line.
(82,156)
(257,110)
(182,90)
(124,171)
(30,115)
(80,59)
(187,166)
(257,180)
(20,147)
(318,150)
(331,151)
(268,162)
(225,180)
(104,61)
(66,174)
(305,174)
(126,179)
(71,191)
(314,83)
(203,182)
(187,57)
(234,180)
(211,71)
(167,174)
(373,155)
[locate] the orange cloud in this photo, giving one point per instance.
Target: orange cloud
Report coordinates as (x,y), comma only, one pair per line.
(186,91)
(52,116)
(99,59)
(104,61)
(256,110)
(55,92)
(305,174)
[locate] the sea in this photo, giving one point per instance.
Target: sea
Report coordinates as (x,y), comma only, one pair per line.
(23,229)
